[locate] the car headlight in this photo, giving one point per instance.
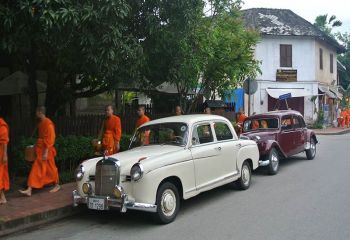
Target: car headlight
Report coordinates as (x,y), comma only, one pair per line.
(136,172)
(79,173)
(118,192)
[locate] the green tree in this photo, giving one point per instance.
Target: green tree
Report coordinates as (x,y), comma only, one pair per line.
(199,52)
(327,24)
(89,39)
(344,59)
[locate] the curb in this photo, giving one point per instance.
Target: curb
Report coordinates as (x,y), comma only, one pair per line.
(35,220)
(336,133)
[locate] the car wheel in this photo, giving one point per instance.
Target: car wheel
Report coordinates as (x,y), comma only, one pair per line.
(243,182)
(274,162)
(168,203)
(311,152)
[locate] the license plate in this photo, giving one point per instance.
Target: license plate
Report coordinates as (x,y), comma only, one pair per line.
(96,203)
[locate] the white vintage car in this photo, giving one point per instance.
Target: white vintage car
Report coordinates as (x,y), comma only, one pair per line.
(169,159)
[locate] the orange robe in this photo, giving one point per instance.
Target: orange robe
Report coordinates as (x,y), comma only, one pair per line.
(142,120)
(112,134)
(4,139)
(343,117)
(347,120)
(44,172)
(241,118)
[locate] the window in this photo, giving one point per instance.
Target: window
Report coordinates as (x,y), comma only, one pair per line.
(296,122)
(264,123)
(331,63)
(321,58)
(202,134)
(287,123)
(222,131)
(286,55)
(302,122)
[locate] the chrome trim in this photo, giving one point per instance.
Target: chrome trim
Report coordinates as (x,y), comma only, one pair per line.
(123,203)
(80,170)
(99,176)
(141,173)
(218,181)
(264,163)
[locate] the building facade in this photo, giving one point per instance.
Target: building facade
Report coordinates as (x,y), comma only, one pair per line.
(298,64)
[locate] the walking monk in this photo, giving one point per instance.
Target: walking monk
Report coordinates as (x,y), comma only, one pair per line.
(142,117)
(343,117)
(44,170)
(112,132)
(4,175)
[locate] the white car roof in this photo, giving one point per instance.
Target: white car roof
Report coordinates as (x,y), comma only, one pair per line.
(189,119)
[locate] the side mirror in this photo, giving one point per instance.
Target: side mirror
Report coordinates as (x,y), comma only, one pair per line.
(194,141)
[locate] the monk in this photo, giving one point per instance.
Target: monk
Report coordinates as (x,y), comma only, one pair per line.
(178,111)
(347,121)
(255,124)
(4,175)
(241,117)
(44,170)
(343,117)
(142,117)
(207,110)
(112,132)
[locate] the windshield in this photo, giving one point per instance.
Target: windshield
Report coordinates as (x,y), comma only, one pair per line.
(263,123)
(160,134)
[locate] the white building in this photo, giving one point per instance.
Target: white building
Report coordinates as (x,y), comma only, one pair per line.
(297,59)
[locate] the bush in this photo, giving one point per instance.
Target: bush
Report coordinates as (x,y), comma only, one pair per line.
(71,151)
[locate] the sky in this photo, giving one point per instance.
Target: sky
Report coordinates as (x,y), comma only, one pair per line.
(309,9)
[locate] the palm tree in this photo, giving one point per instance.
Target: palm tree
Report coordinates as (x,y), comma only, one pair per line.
(326,24)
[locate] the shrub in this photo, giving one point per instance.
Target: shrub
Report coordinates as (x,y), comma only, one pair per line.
(71,150)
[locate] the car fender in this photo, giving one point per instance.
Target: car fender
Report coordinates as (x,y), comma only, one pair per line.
(310,134)
(251,152)
(269,144)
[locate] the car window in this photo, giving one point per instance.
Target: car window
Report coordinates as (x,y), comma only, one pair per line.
(262,123)
(287,123)
(296,122)
(202,134)
(302,122)
(222,131)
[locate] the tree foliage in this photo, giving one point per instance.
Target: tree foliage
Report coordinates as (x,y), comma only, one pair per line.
(326,23)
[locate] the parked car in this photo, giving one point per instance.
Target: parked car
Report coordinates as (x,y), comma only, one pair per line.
(168,160)
(279,134)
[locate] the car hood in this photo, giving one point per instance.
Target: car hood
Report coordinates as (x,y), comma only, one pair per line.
(145,153)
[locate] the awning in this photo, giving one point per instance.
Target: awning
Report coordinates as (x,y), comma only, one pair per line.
(325,90)
(334,90)
(295,92)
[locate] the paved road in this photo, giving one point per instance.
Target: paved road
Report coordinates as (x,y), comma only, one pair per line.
(306,200)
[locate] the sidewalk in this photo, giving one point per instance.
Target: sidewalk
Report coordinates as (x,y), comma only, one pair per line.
(331,131)
(42,207)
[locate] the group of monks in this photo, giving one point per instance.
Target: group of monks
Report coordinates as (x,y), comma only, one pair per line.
(44,171)
(344,118)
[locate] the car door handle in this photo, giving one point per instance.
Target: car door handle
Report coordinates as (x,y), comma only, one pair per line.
(218,148)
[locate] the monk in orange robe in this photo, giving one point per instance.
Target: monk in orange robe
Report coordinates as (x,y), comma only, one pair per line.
(142,117)
(347,121)
(343,117)
(141,120)
(4,175)
(112,132)
(44,170)
(241,117)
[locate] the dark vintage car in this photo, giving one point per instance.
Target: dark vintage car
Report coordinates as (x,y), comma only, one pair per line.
(279,134)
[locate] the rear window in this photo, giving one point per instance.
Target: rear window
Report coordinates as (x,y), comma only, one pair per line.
(263,123)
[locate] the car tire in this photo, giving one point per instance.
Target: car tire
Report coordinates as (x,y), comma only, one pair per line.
(274,164)
(311,152)
(243,182)
(168,203)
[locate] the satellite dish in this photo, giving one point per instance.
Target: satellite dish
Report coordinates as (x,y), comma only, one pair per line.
(250,86)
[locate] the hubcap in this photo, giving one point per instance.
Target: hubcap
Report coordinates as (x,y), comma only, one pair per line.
(168,202)
(245,175)
(313,148)
(274,161)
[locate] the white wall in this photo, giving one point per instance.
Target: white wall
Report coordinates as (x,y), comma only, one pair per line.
(324,75)
(303,51)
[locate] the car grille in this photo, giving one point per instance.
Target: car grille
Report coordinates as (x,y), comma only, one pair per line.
(106,176)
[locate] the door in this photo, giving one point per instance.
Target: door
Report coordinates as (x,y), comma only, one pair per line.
(228,149)
(299,128)
(287,136)
(205,153)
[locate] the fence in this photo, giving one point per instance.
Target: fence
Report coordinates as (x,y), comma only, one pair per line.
(90,124)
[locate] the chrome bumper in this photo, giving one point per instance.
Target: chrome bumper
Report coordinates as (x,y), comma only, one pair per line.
(123,203)
(264,163)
